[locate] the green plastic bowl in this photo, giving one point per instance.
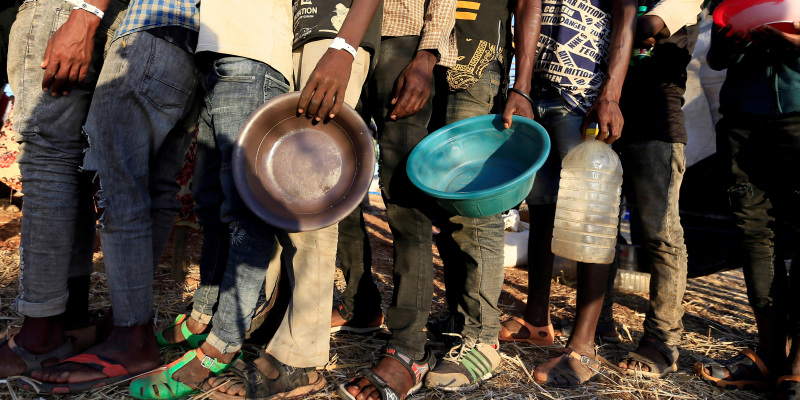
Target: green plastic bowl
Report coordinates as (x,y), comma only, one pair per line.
(477,168)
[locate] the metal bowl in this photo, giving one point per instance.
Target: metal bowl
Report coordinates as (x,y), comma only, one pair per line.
(298,174)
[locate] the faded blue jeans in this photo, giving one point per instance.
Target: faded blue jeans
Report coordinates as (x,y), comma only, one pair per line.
(139,131)
(57,238)
(237,245)
(472,248)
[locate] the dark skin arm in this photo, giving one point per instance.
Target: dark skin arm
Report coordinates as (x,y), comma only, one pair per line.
(527,26)
(69,51)
(605,109)
(324,92)
(766,35)
(413,87)
(725,47)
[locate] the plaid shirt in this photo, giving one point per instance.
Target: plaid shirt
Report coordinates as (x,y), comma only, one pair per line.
(434,24)
(146,14)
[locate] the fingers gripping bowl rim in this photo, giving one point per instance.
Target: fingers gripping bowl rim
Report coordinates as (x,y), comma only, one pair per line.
(300,175)
(475,167)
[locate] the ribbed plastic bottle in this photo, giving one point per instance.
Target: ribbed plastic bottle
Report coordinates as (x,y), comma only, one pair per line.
(587,209)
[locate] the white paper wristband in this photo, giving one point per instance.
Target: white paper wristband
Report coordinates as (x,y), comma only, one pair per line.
(82,5)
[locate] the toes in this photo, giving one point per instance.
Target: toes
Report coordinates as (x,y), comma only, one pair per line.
(369,392)
(237,388)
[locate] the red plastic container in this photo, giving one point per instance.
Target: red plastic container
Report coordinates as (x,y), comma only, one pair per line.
(745,14)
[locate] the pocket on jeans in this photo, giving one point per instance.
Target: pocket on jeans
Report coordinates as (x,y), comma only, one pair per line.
(170,76)
(274,85)
(60,18)
(232,69)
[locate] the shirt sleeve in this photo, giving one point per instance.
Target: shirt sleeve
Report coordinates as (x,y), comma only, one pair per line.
(438,33)
(677,13)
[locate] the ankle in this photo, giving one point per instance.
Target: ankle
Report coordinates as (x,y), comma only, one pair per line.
(195,326)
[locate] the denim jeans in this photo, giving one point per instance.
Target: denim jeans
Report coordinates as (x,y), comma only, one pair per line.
(760,154)
(653,175)
(361,298)
(564,129)
(237,245)
(472,248)
(407,208)
(57,235)
(139,131)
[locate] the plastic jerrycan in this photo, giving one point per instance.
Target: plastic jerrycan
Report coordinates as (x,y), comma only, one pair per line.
(587,209)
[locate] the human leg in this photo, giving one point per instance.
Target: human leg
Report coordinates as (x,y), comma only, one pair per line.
(752,149)
(410,226)
(235,87)
(121,158)
(472,252)
(360,306)
(57,233)
(564,129)
(655,169)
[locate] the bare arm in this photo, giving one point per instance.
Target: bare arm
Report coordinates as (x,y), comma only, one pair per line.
(324,92)
(69,50)
(527,26)
(605,109)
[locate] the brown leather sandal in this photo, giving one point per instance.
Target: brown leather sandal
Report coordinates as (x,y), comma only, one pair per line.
(745,370)
(538,335)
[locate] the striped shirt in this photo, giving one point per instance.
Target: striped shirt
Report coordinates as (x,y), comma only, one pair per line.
(433,24)
(147,14)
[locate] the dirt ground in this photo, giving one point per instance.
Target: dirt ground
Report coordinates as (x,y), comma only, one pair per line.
(718,323)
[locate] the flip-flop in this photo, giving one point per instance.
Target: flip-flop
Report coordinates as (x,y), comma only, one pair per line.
(538,335)
(114,372)
(190,340)
(789,387)
(657,370)
(33,362)
(160,385)
(746,371)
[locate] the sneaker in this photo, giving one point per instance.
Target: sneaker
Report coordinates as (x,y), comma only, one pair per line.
(466,365)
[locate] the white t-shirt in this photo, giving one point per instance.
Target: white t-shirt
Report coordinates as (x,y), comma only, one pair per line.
(257,29)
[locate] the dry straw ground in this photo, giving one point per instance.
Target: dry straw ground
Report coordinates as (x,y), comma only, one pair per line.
(718,322)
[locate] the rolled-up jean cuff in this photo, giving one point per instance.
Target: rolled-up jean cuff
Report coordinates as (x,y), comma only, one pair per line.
(221,345)
(41,310)
(204,319)
(120,323)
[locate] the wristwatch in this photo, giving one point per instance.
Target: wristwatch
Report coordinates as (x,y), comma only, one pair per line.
(340,44)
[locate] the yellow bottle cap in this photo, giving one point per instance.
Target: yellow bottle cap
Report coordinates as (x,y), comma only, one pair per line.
(593,129)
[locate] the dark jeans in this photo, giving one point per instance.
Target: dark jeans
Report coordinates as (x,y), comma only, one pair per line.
(653,174)
(410,225)
(471,248)
(361,299)
(761,156)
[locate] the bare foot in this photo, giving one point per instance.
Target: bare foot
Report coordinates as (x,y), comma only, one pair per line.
(37,336)
(395,375)
(569,369)
(134,348)
(646,352)
(336,319)
(175,334)
(356,324)
(193,374)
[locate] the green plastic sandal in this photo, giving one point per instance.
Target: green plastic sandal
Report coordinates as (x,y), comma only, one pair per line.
(160,385)
(190,340)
